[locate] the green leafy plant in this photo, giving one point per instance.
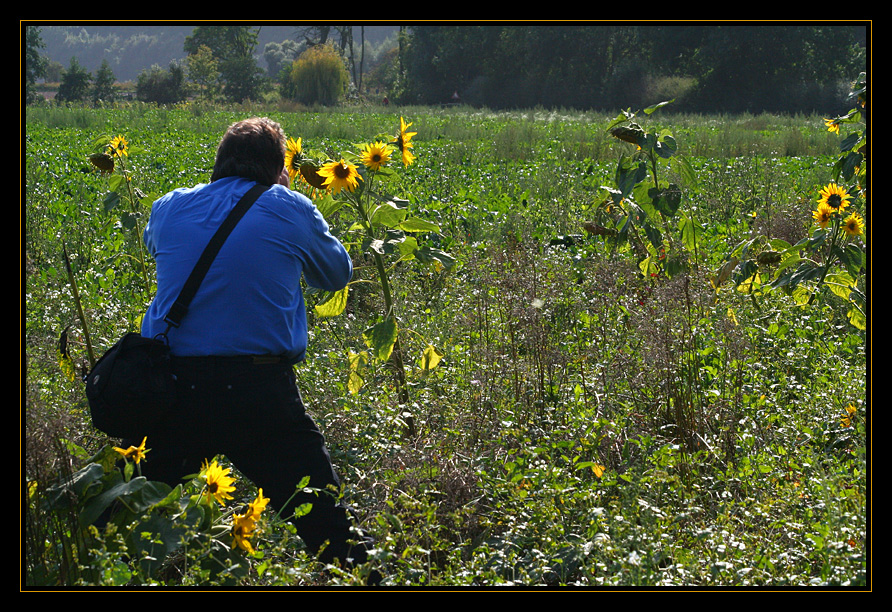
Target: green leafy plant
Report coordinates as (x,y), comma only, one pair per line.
(358,187)
(832,257)
(125,529)
(643,208)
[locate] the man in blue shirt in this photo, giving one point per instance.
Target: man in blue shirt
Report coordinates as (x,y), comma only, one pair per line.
(246,327)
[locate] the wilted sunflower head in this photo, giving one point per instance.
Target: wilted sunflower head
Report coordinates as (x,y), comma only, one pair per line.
(629,134)
(103,162)
(309,171)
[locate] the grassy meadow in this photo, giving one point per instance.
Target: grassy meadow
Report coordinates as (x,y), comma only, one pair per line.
(598,385)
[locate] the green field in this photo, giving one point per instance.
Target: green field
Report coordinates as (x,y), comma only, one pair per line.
(593,395)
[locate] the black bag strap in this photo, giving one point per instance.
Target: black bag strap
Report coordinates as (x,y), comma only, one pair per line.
(181,304)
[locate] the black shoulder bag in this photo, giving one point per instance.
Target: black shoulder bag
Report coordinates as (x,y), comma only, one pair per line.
(132,387)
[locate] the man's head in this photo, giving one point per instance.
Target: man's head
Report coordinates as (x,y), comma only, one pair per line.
(253,149)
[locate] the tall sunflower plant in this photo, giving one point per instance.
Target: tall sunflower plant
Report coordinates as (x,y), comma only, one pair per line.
(642,209)
(831,259)
(355,191)
(111,158)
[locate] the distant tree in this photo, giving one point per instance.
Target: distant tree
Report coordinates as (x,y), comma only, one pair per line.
(75,85)
(773,68)
(162,86)
(104,83)
(233,47)
(727,68)
(318,76)
(385,74)
(280,55)
(242,78)
(204,72)
(226,42)
(35,63)
(54,72)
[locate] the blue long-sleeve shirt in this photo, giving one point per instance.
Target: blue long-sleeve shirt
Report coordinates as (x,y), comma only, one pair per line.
(250,302)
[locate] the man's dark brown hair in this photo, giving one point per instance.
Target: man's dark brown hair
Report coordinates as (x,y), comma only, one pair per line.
(253,149)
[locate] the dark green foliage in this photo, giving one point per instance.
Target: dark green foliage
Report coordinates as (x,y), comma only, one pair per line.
(104,84)
(75,85)
(35,63)
(732,68)
(162,86)
(233,48)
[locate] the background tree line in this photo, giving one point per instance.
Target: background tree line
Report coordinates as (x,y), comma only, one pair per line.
(706,68)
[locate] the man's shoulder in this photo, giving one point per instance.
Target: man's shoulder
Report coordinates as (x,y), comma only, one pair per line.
(279,195)
(181,192)
(288,195)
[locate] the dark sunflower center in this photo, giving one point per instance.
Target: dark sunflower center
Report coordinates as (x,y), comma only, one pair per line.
(342,171)
(834,200)
(212,487)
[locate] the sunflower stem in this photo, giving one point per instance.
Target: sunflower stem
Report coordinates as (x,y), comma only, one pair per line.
(396,355)
(77,302)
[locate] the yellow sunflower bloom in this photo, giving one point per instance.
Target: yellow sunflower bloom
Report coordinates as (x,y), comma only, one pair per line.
(404,142)
(244,525)
(832,125)
(242,530)
(822,215)
(137,453)
(834,196)
(293,157)
(118,146)
(376,155)
(340,175)
(256,507)
(218,482)
(853,225)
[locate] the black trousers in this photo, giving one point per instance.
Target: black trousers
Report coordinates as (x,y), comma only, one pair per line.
(250,410)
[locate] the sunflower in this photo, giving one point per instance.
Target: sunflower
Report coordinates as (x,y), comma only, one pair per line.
(104,162)
(404,142)
(832,125)
(137,453)
(218,482)
(293,157)
(118,146)
(853,225)
(256,507)
(243,525)
(242,530)
(822,215)
(376,155)
(339,175)
(849,415)
(834,196)
(309,172)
